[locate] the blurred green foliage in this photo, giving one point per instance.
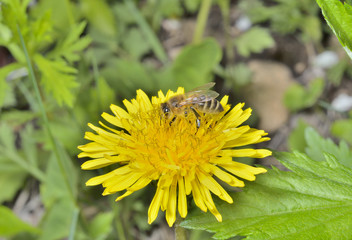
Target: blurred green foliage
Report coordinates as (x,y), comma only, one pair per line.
(88,54)
(297,97)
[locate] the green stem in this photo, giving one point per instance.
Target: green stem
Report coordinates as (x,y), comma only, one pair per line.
(201,20)
(119,220)
(225,11)
(45,118)
(73,227)
(180,232)
(97,82)
(147,31)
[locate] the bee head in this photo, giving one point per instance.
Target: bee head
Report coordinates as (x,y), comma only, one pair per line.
(165,109)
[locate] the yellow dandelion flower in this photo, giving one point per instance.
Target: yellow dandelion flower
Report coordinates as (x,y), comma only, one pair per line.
(182,157)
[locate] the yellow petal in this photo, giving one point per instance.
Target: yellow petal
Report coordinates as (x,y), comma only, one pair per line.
(243,171)
(99,179)
(247,152)
(182,199)
(210,183)
(127,193)
(210,203)
(171,208)
(119,112)
(155,205)
(122,182)
(143,100)
(113,120)
(228,178)
(96,163)
(131,108)
(197,195)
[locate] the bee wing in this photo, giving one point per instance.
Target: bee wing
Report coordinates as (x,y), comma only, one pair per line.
(204,87)
(199,96)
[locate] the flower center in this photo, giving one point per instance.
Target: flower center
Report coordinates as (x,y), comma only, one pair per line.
(175,144)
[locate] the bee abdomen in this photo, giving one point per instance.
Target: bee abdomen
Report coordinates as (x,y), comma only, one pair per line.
(211,106)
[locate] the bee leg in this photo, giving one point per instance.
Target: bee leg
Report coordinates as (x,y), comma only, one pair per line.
(197,116)
(172,120)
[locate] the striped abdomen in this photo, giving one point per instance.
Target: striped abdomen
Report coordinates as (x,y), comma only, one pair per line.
(211,106)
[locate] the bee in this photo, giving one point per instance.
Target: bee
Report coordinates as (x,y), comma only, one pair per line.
(198,100)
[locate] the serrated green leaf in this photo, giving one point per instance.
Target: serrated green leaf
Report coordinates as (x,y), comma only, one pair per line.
(338,15)
(297,97)
(57,78)
(194,64)
(254,40)
(72,45)
(342,129)
(312,202)
(10,224)
(317,146)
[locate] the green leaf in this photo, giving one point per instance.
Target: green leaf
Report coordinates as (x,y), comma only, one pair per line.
(99,14)
(134,42)
(57,220)
(194,64)
(238,75)
(338,15)
(296,140)
(4,72)
(297,97)
(131,76)
(317,146)
(5,34)
(17,118)
(57,78)
(342,129)
(336,72)
(311,28)
(192,5)
(10,224)
(14,169)
(57,199)
(72,45)
(11,179)
(254,40)
(101,226)
(61,13)
(103,94)
(312,202)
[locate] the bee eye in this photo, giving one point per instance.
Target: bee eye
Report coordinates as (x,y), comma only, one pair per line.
(166,110)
